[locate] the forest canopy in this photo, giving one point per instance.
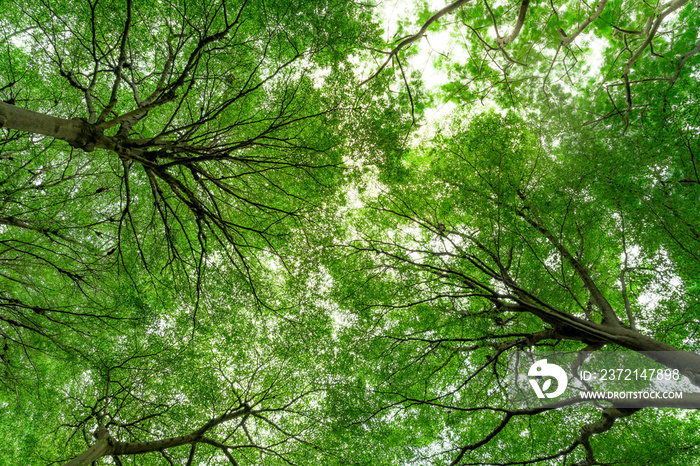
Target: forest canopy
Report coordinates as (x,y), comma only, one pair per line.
(251,232)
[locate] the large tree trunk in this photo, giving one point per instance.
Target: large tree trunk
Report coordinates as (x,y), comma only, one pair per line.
(76,132)
(98,450)
(569,326)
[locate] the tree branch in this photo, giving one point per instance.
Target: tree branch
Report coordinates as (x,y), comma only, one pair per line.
(411,39)
(503,41)
(601,6)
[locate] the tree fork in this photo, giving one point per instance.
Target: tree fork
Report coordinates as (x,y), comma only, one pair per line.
(107,446)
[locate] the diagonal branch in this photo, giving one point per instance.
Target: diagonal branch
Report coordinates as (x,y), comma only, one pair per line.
(118,68)
(106,445)
(609,316)
(681,62)
(607,419)
(672,6)
(503,41)
(567,40)
(411,39)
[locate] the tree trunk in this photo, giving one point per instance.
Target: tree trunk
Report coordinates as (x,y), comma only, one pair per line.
(76,131)
(98,450)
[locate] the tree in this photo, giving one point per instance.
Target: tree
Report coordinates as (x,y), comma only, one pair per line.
(497,243)
(157,160)
(173,132)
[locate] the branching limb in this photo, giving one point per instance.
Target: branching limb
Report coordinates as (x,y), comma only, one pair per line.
(609,316)
(608,418)
(106,445)
(224,448)
(503,41)
(411,39)
(672,6)
(566,40)
(681,62)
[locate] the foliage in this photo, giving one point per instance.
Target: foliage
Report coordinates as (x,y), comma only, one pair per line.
(496,244)
(218,245)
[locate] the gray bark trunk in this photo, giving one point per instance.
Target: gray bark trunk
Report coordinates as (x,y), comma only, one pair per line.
(76,132)
(21,119)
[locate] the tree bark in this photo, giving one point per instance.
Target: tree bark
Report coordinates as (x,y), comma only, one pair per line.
(106,446)
(76,131)
(13,117)
(686,362)
(98,450)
